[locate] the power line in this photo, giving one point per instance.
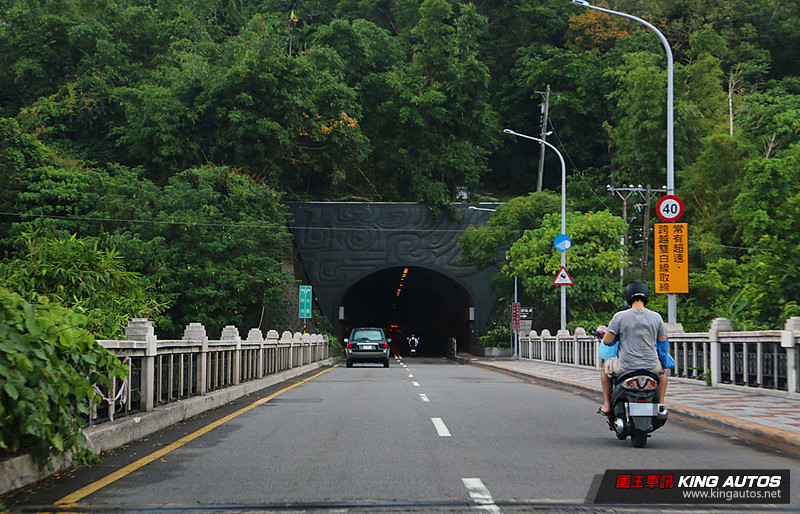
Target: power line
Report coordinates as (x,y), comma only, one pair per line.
(271,226)
(304,227)
(574,166)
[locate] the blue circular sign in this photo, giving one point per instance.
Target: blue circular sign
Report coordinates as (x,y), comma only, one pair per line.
(562,243)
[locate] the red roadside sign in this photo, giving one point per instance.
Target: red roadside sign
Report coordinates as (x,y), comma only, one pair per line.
(669,208)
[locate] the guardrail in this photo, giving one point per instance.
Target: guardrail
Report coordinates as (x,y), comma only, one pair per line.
(165,371)
(768,360)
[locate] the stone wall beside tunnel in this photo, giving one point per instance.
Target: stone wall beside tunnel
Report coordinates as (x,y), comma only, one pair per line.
(354,254)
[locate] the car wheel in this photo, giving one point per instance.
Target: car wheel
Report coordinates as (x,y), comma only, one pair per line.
(349,363)
(386,363)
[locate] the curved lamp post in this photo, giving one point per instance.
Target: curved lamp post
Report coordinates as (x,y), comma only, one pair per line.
(563,214)
(671,316)
(514,342)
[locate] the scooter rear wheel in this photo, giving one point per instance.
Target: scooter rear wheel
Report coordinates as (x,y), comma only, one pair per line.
(639,438)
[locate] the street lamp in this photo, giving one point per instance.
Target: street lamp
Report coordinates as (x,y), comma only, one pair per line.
(672,302)
(563,215)
(515,342)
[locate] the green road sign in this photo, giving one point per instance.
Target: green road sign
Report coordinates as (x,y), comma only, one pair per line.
(305,301)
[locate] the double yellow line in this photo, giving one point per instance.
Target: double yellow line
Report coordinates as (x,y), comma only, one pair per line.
(71,499)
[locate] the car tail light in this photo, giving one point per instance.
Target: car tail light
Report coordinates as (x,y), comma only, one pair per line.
(385,345)
(641,383)
(349,345)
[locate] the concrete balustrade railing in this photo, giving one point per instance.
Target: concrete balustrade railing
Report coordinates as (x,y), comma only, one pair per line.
(173,380)
(165,371)
(767,359)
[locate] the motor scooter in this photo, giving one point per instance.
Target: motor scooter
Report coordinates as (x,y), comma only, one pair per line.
(635,410)
(635,407)
(413,343)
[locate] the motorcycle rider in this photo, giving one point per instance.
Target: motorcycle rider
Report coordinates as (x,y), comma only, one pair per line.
(638,329)
(413,342)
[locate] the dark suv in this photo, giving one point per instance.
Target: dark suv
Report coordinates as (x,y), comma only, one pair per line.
(367,344)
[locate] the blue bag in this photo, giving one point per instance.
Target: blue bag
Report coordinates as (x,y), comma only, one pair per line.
(606,351)
(667,362)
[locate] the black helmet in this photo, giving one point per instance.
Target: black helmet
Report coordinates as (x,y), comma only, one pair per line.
(637,291)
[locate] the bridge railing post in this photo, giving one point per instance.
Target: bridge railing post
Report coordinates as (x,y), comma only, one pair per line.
(141,329)
(254,336)
(197,332)
(533,339)
(286,350)
(789,339)
(231,333)
(561,336)
(717,326)
(580,337)
(297,350)
(272,352)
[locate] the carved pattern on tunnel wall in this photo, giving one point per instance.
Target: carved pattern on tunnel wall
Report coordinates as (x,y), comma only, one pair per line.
(339,243)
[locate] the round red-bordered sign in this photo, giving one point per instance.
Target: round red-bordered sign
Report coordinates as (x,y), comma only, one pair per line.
(669,208)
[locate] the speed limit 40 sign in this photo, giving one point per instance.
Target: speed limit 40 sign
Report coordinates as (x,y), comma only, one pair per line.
(669,208)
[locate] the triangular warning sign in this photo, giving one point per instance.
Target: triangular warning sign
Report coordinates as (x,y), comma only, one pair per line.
(563,278)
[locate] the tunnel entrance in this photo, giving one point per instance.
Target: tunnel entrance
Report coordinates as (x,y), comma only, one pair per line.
(405,300)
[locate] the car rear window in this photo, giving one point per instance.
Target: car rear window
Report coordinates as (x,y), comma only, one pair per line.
(368,334)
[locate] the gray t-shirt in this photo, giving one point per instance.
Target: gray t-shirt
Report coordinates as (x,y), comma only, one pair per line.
(638,330)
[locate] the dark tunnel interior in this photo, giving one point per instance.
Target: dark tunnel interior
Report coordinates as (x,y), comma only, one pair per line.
(406,300)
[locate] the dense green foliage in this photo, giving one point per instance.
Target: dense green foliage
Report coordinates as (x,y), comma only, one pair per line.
(593,262)
(171,130)
(49,367)
(79,273)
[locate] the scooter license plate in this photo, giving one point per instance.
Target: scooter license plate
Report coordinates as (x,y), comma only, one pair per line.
(643,409)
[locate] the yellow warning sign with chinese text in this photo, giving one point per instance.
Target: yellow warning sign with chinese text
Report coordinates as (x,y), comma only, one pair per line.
(672,257)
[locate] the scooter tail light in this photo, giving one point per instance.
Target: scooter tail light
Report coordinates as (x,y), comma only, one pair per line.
(641,383)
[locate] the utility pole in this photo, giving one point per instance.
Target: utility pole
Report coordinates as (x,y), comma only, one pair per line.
(646,232)
(545,109)
(647,194)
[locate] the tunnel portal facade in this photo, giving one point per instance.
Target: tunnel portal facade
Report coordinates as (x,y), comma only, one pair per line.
(394,266)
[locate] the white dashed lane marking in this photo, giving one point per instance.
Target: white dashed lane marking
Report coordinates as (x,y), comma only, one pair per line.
(480,495)
(415,384)
(441,428)
(424,397)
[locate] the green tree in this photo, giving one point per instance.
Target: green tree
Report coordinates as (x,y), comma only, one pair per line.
(435,127)
(83,274)
(713,183)
(217,240)
(486,245)
(38,183)
(766,213)
(287,121)
(593,262)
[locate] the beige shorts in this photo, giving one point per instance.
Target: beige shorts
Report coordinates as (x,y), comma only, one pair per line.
(611,367)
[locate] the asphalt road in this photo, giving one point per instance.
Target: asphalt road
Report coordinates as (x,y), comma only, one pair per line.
(424,435)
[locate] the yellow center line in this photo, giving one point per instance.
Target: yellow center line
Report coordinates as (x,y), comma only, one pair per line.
(71,499)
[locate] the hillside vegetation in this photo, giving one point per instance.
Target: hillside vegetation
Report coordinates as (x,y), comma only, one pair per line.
(157,140)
